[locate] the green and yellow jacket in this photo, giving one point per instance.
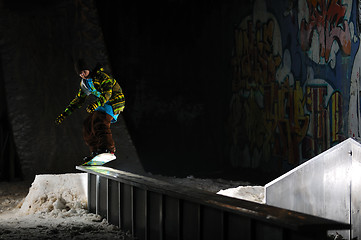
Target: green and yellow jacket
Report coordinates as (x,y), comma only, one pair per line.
(105,88)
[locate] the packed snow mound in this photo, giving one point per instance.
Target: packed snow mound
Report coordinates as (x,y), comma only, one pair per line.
(250,193)
(55,207)
(63,193)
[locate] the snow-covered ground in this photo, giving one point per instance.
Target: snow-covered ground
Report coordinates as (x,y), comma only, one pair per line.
(54,206)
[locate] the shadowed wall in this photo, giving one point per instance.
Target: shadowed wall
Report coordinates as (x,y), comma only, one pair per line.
(211,87)
(39,43)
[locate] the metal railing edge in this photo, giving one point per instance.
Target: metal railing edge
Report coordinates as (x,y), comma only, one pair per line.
(277,216)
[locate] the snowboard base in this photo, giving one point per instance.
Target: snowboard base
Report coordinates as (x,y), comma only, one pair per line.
(100,159)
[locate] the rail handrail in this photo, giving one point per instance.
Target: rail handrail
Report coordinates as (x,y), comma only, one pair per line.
(274,216)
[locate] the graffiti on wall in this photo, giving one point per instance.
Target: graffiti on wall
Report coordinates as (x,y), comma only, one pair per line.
(324,105)
(324,30)
(254,65)
(267,105)
(276,117)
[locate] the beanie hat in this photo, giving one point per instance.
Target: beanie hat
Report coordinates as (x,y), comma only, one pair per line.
(81,65)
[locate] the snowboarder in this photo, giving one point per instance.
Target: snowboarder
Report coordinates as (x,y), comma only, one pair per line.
(109,103)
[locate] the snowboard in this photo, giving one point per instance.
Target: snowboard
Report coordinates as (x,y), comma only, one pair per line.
(100,159)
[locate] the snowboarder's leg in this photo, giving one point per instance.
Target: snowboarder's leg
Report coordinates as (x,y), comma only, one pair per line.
(102,132)
(89,135)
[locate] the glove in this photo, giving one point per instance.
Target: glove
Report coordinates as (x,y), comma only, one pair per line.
(91,108)
(60,119)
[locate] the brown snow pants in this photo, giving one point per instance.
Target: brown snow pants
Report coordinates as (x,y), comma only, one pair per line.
(97,133)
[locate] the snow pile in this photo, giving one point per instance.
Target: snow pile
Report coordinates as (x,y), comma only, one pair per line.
(250,193)
(54,208)
(57,194)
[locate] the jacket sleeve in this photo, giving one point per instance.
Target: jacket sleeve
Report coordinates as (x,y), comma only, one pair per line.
(76,103)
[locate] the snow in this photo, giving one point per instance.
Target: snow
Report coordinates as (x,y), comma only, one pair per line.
(55,206)
(56,194)
(250,193)
(236,189)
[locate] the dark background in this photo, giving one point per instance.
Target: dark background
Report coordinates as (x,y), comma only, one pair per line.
(172,59)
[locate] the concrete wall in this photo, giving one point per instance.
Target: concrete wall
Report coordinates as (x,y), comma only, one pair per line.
(263,84)
(210,85)
(295,81)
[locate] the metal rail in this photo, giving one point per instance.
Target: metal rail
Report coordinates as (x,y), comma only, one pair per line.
(153,209)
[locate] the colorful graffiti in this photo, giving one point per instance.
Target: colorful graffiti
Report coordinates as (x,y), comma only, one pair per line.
(325,107)
(272,121)
(326,30)
(286,120)
(254,65)
(275,117)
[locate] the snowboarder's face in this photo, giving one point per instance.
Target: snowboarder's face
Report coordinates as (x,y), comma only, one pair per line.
(84,74)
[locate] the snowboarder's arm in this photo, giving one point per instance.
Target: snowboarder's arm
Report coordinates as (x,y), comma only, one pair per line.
(76,103)
(73,105)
